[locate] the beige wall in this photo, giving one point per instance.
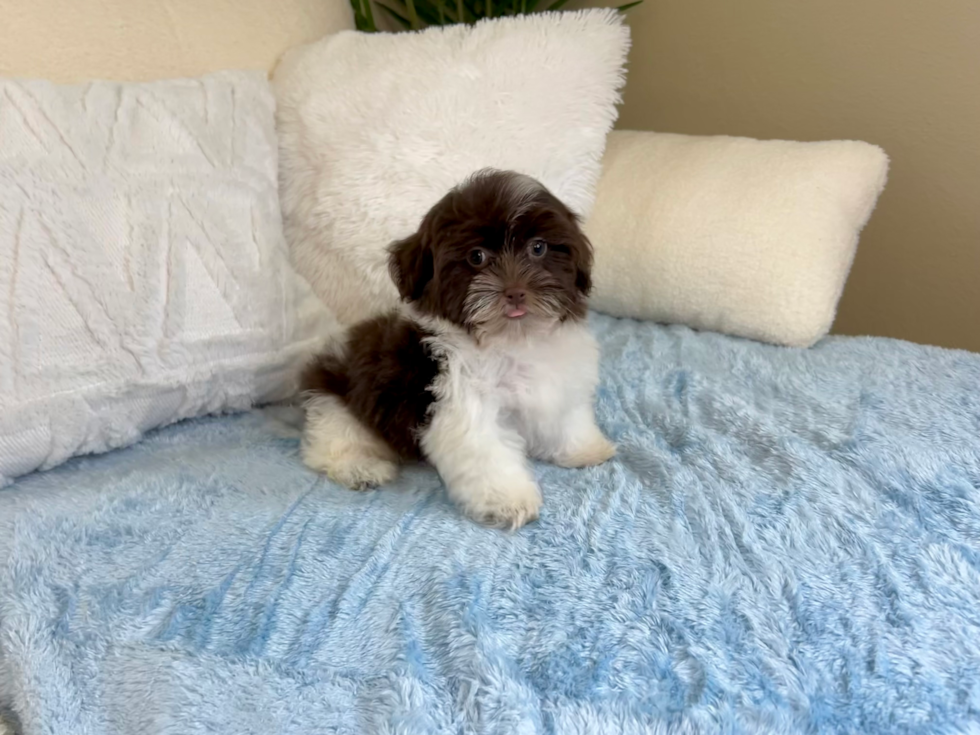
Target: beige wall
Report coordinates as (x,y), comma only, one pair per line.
(904,74)
(136,40)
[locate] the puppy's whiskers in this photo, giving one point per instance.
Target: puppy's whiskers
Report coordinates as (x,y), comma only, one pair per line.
(483,300)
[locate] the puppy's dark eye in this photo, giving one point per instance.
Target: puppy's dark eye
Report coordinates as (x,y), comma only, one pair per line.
(537,248)
(477,257)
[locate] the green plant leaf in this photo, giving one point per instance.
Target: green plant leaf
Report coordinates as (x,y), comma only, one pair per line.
(433,14)
(395,15)
(369,16)
(363,17)
(472,11)
(413,16)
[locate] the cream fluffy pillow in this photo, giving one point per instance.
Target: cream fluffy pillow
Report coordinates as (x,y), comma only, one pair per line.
(753,238)
(374,129)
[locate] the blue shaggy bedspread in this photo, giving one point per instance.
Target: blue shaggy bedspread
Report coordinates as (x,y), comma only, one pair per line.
(788,542)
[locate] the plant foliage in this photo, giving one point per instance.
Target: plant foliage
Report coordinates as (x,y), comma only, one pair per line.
(416,14)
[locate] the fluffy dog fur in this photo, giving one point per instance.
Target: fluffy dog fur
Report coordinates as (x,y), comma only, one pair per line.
(489,361)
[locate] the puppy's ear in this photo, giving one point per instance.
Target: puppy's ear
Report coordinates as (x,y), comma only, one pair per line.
(581,252)
(411,267)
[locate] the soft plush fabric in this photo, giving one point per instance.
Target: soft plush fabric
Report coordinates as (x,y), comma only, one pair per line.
(749,237)
(787,542)
(375,128)
(143,273)
(142,40)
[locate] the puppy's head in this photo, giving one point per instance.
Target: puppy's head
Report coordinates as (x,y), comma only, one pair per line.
(498,252)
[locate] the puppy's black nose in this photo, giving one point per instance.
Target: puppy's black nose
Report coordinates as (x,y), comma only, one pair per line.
(515,296)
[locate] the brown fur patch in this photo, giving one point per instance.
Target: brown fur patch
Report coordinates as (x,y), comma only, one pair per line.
(383,377)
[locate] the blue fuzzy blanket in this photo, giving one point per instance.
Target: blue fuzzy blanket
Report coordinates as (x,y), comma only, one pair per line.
(788,541)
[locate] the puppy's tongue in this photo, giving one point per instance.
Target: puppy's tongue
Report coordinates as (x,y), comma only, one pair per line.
(515,312)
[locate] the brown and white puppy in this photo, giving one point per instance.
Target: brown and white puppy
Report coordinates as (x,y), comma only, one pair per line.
(489,361)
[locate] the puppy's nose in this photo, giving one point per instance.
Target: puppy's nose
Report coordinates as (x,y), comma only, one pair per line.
(515,296)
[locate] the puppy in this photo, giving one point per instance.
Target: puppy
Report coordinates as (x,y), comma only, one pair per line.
(488,362)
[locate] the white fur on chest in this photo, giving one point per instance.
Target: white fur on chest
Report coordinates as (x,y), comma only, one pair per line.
(529,385)
(519,374)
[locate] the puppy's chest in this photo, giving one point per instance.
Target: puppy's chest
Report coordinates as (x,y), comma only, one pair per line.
(523,380)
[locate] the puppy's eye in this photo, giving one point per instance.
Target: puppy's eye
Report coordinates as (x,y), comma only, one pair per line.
(477,257)
(537,248)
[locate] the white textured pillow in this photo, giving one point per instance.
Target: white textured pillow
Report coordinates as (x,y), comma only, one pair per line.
(375,128)
(754,238)
(144,273)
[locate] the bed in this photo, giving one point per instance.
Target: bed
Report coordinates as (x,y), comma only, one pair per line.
(788,541)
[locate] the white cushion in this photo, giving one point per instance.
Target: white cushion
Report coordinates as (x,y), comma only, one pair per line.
(754,238)
(375,128)
(144,273)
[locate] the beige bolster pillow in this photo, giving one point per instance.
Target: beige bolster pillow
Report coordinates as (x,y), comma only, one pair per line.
(753,238)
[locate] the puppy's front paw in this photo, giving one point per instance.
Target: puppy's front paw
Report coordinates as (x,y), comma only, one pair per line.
(507,507)
(341,447)
(358,466)
(363,473)
(596,451)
